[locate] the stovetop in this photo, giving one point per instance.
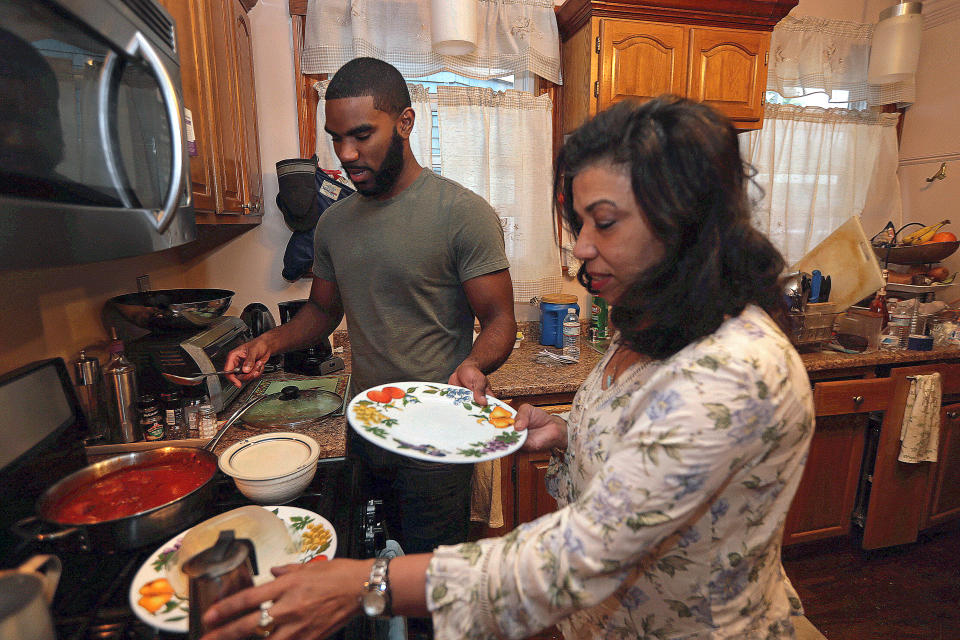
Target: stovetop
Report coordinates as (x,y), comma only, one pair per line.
(92,598)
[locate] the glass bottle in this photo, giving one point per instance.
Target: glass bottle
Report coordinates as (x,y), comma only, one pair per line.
(208,420)
(879,304)
(151,421)
(173,421)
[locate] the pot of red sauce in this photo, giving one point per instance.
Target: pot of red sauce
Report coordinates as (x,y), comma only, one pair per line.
(130,500)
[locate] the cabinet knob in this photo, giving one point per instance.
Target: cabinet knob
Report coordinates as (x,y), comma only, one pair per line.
(953,415)
(858,400)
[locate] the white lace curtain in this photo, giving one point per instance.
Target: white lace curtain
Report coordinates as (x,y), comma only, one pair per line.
(514,36)
(420,137)
(498,144)
(817,167)
(810,55)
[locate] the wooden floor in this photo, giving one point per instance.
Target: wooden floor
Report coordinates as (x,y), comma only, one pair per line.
(910,592)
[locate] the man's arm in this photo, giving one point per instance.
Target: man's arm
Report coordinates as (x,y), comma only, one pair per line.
(315,320)
(491,298)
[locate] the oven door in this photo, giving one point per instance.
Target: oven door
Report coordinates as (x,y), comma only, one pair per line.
(92,162)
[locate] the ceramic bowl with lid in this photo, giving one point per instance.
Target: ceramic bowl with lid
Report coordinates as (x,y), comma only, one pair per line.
(272,468)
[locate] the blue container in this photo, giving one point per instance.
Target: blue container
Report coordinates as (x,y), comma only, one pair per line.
(551,322)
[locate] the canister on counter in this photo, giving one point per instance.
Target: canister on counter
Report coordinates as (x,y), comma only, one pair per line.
(121,382)
(89,388)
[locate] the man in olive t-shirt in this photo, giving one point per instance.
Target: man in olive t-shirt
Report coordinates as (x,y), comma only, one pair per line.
(411,258)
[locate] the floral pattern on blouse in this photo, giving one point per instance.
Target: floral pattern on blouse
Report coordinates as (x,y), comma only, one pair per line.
(672,495)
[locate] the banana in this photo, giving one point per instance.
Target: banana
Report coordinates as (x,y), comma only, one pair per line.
(923,234)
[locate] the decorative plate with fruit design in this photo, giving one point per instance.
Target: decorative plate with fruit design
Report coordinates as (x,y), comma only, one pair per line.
(152,597)
(434,422)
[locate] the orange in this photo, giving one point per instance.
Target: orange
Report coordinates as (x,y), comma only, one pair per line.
(942,236)
(394,392)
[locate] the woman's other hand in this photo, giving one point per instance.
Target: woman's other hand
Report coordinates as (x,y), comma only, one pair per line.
(545,431)
(309,601)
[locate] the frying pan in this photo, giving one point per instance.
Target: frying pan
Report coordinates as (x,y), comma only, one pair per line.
(145,527)
(171,309)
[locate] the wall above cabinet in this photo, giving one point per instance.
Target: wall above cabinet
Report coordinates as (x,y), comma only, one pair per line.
(712,51)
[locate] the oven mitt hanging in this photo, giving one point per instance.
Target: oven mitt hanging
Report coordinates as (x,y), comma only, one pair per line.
(305,193)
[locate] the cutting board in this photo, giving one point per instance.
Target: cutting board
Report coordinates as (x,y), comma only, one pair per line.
(847,257)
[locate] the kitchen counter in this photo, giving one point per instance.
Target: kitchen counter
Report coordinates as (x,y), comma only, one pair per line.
(521,377)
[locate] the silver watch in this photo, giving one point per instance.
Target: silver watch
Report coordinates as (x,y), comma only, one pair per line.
(376,591)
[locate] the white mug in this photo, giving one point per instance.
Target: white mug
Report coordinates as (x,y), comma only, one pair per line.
(25,596)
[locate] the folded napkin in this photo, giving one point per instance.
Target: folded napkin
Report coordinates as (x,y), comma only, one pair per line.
(485,503)
(920,432)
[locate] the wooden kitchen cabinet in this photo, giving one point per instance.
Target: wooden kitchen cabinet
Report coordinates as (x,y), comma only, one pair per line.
(944,478)
(906,498)
(712,51)
(824,502)
(216,57)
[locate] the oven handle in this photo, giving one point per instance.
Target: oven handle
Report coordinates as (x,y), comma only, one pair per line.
(139,45)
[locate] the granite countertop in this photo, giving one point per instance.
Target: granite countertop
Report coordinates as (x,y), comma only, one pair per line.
(522,376)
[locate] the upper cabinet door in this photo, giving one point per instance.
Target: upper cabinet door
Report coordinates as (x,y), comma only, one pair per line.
(728,70)
(192,46)
(253,184)
(226,107)
(640,60)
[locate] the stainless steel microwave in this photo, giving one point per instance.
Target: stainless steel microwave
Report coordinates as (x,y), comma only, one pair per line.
(92,139)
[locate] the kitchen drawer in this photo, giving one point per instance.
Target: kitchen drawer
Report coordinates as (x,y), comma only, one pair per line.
(852,396)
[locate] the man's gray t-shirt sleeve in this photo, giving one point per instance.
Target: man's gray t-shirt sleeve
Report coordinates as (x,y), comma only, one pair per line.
(477,237)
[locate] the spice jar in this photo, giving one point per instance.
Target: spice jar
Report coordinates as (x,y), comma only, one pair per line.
(208,420)
(173,421)
(191,416)
(151,421)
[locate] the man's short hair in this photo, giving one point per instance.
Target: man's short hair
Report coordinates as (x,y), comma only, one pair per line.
(371,77)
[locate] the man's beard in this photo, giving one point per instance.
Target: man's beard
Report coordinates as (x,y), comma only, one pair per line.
(390,168)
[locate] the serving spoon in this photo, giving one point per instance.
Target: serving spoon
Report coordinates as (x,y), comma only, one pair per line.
(191,381)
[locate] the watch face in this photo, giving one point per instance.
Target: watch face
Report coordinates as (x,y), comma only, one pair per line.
(374,602)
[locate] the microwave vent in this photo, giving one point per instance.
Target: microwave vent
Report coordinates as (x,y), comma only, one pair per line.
(155,19)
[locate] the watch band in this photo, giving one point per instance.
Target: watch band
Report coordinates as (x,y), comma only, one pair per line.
(377,585)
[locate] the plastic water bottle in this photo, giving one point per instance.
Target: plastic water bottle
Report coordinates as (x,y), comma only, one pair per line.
(571,334)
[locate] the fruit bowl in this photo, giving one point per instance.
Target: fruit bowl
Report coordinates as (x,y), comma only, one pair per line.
(916,254)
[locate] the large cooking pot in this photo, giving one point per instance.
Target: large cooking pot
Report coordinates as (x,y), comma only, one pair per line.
(171,309)
(134,531)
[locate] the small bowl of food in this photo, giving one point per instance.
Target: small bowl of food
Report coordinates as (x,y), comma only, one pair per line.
(272,468)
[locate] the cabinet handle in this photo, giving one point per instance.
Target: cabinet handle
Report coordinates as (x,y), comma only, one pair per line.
(858,400)
(953,415)
(253,208)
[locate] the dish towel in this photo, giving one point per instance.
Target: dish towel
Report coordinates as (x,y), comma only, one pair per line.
(920,432)
(485,503)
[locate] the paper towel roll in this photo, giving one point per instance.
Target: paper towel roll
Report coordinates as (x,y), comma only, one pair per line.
(453,26)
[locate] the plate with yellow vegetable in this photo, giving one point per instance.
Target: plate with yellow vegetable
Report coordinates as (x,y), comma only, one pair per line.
(280,535)
(434,422)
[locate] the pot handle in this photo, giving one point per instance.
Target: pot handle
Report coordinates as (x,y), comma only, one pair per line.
(226,425)
(20,528)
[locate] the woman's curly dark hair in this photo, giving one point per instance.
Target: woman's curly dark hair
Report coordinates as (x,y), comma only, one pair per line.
(690,182)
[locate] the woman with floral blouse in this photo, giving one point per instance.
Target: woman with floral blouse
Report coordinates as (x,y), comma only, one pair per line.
(676,466)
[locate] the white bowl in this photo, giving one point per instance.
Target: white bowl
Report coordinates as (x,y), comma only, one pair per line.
(271,468)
